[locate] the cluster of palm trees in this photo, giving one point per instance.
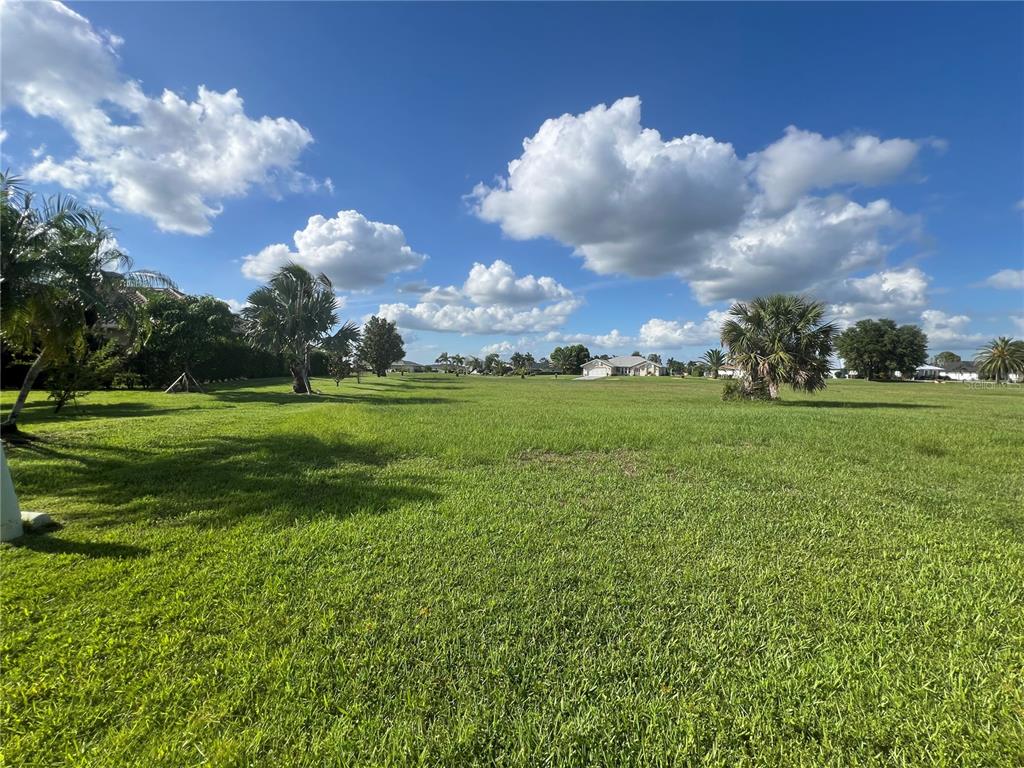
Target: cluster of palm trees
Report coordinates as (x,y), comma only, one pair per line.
(62,277)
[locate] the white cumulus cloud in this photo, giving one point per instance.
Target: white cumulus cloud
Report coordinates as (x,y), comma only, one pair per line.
(493,299)
(498,284)
(893,293)
(803,160)
(1006,279)
(622,197)
(168,158)
(673,334)
(820,239)
(611,341)
(946,330)
(630,202)
(351,250)
(464,319)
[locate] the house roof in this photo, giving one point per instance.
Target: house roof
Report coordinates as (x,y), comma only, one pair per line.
(929,368)
(408,363)
(628,361)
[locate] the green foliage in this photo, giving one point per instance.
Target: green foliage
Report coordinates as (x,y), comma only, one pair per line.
(879,348)
(381,345)
(779,339)
(947,358)
(714,359)
(418,572)
(339,351)
(1001,357)
(63,278)
(92,364)
(654,358)
(291,316)
(571,358)
(183,334)
(522,364)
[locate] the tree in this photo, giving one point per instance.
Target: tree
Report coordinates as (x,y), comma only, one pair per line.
(911,350)
(339,349)
(880,348)
(493,364)
(291,316)
(62,278)
(1001,357)
(474,363)
(654,358)
(779,339)
(571,358)
(714,359)
(947,358)
(182,333)
(381,345)
(442,360)
(636,353)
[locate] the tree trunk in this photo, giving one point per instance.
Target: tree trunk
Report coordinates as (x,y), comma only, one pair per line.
(11,423)
(714,374)
(298,380)
(773,390)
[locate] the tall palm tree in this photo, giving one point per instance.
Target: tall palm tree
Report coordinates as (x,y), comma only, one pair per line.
(779,339)
(1001,357)
(715,359)
(60,277)
(291,316)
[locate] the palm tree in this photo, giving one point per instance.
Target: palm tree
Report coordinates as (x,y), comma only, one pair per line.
(715,359)
(779,339)
(291,316)
(60,276)
(1001,357)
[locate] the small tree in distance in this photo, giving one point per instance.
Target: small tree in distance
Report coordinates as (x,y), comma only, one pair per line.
(571,358)
(381,345)
(714,359)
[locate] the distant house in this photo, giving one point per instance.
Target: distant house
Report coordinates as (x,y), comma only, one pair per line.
(626,365)
(961,371)
(928,372)
(407,366)
(729,372)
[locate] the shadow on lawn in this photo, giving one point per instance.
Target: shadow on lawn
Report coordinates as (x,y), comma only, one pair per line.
(217,482)
(852,404)
(288,398)
(47,543)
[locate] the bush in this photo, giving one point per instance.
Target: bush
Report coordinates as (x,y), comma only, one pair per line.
(742,389)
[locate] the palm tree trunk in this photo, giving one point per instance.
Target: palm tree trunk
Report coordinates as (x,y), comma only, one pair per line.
(11,422)
(773,390)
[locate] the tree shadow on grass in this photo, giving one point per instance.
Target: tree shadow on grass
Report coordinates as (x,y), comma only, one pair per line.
(47,543)
(218,482)
(288,398)
(852,404)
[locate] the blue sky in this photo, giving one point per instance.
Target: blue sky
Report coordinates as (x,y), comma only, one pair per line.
(872,155)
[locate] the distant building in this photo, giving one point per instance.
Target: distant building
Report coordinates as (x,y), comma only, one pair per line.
(407,366)
(625,365)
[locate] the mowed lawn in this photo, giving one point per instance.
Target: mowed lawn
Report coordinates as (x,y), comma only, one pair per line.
(466,571)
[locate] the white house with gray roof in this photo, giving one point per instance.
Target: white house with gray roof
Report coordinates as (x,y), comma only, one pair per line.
(625,365)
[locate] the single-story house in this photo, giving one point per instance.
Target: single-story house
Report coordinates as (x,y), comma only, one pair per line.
(728,371)
(625,365)
(407,366)
(928,372)
(961,371)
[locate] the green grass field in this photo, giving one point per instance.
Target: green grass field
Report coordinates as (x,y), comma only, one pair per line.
(464,571)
